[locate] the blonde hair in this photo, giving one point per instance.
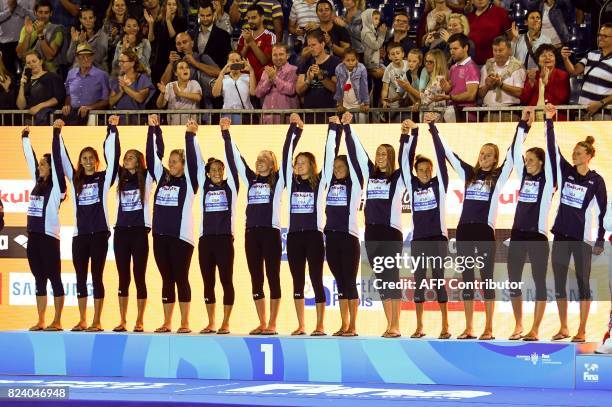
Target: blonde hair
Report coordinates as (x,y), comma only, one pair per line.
(464,22)
(440,67)
(587,144)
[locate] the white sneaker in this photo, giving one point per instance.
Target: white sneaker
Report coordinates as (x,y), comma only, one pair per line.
(605,348)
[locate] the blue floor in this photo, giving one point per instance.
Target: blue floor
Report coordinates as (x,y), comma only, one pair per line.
(111,391)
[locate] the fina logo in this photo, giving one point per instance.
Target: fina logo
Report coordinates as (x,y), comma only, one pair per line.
(534,358)
(590,372)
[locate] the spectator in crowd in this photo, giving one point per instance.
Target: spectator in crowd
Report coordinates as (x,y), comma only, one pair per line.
(97,39)
(462,89)
(351,20)
(12,18)
(162,33)
(202,68)
(86,88)
(7,88)
(221,18)
(134,40)
(302,19)
(273,15)
(41,35)
(113,25)
(501,79)
(255,43)
(487,22)
(417,75)
(401,26)
(40,92)
(352,85)
(316,76)
(457,24)
(132,88)
(337,38)
(392,94)
(596,69)
(152,9)
(436,66)
(557,16)
(209,38)
(182,94)
(277,85)
(372,39)
(65,12)
(235,86)
(437,17)
(525,45)
(601,13)
(546,84)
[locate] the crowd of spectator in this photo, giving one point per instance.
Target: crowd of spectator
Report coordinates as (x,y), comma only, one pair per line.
(83,55)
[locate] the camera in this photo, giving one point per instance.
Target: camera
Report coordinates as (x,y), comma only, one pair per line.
(28,73)
(181,54)
(237,67)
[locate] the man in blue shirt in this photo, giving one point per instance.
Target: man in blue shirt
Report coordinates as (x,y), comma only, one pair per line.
(87,88)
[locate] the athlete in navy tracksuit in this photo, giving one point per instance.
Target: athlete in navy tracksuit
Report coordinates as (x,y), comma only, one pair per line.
(383,231)
(131,237)
(476,229)
(530,228)
(216,246)
(44,227)
(90,189)
(582,207)
(306,190)
(262,240)
(342,247)
(173,243)
(428,207)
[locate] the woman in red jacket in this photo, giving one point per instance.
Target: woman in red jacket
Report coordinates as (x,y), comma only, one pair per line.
(555,82)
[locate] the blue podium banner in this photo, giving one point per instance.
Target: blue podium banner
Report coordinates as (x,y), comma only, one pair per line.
(594,372)
(291,359)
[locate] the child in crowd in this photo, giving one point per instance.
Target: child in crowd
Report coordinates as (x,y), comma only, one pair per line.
(352,85)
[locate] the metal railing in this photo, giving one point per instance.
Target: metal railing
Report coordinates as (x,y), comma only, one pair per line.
(316,116)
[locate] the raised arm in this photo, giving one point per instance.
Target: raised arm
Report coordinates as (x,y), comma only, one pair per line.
(232,173)
(112,152)
(293,135)
(559,164)
(193,158)
(64,158)
(334,134)
(59,177)
(508,164)
(461,167)
(155,149)
(29,153)
(235,159)
(408,144)
(357,153)
(521,131)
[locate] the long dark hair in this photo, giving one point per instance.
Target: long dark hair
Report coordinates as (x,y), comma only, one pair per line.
(494,171)
(141,173)
(43,183)
(78,179)
(313,177)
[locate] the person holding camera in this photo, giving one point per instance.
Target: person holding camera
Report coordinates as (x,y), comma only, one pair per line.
(256,42)
(39,91)
(235,86)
